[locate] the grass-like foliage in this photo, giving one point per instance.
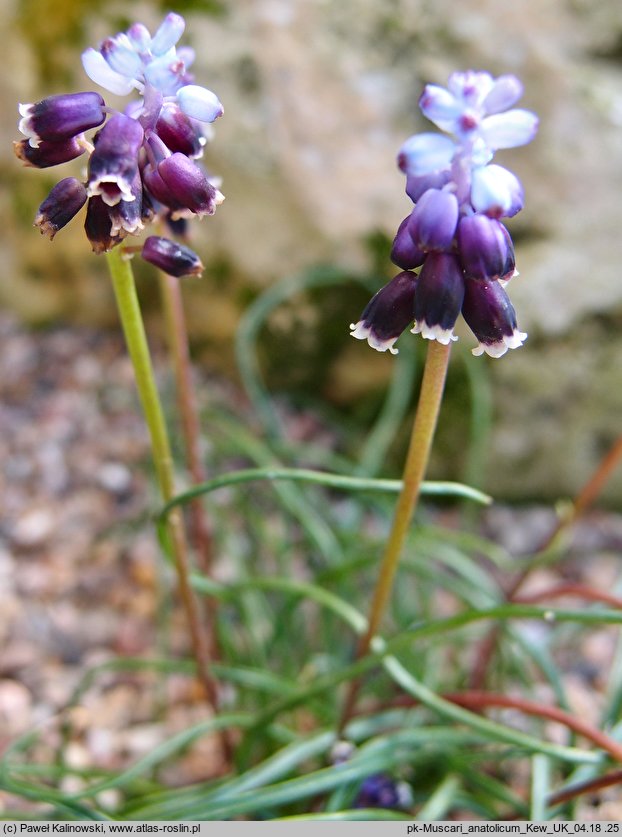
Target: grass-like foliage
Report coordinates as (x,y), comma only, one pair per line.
(450,707)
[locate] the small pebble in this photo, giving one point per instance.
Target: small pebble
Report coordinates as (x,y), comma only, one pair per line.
(114,477)
(33,528)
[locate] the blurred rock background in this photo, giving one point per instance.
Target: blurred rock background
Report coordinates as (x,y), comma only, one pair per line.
(318,96)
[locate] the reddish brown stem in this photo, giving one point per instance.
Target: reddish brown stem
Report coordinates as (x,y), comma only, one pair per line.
(570,589)
(596,483)
(591,786)
(476,700)
(176,333)
(479,700)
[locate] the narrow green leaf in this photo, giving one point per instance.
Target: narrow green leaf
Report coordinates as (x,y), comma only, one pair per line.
(329,480)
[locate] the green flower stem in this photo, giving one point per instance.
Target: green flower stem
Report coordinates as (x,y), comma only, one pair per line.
(134,331)
(424,426)
(177,339)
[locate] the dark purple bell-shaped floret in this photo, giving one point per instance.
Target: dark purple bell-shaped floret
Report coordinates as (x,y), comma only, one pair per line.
(179,132)
(440,291)
(171,257)
(129,216)
(114,162)
(188,185)
(490,316)
(483,246)
(64,201)
(387,314)
(98,226)
(60,117)
(48,154)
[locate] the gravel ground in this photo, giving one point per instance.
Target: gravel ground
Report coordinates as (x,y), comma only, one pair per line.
(78,559)
(79,583)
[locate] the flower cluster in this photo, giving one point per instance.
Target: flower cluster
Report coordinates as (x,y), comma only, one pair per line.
(382,791)
(376,791)
(454,233)
(141,162)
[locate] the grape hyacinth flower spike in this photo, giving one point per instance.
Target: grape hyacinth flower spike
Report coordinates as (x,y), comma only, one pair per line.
(142,163)
(455,233)
(457,242)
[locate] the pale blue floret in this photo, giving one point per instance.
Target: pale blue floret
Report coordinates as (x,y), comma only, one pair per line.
(169,32)
(121,55)
(135,60)
(99,70)
(199,103)
(496,191)
(165,73)
(510,129)
(441,107)
(425,153)
(471,108)
(505,91)
(140,37)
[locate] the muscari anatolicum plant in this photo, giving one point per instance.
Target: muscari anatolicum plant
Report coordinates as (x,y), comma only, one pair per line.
(141,167)
(455,233)
(142,161)
(456,239)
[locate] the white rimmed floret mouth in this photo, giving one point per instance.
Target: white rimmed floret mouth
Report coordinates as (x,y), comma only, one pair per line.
(120,225)
(360,331)
(25,125)
(499,348)
(111,189)
(435,332)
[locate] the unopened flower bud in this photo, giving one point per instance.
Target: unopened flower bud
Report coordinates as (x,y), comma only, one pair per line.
(423,154)
(483,247)
(388,313)
(187,186)
(496,192)
(433,221)
(417,185)
(440,291)
(178,132)
(404,252)
(490,316)
(171,257)
(64,201)
(48,154)
(58,118)
(199,103)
